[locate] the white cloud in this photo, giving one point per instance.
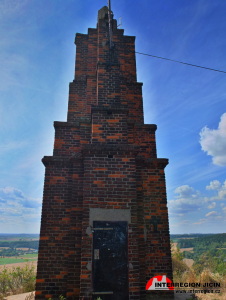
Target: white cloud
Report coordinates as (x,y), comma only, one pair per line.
(13,201)
(190,200)
(214,185)
(16,208)
(213,141)
(18,224)
(187,200)
(222,192)
(211,213)
(205,210)
(212,205)
(201,221)
(184,222)
(185,191)
(19,213)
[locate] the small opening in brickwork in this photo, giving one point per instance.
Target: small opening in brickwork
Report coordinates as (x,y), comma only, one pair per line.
(110,156)
(109,112)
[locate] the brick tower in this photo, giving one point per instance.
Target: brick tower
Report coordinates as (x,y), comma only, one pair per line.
(104,228)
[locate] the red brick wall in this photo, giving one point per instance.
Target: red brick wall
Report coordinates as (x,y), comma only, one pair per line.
(104,157)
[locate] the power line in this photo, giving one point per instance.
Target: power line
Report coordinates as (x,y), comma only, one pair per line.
(181,62)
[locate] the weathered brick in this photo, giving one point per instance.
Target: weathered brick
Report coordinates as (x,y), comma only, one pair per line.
(104,158)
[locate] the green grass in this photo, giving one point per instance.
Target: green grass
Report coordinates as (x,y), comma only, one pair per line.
(11,260)
(32,255)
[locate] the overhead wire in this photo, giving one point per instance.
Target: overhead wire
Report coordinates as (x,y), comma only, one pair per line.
(181,62)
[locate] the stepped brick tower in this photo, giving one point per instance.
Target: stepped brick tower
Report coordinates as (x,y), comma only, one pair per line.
(104,228)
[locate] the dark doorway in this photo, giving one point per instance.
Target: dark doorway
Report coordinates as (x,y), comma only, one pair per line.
(110,260)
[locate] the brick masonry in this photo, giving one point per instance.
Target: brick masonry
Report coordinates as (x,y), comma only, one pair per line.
(104,164)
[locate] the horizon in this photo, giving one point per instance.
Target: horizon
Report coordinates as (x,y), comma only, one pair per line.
(170,233)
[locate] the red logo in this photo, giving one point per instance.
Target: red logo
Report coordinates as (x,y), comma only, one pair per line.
(159,283)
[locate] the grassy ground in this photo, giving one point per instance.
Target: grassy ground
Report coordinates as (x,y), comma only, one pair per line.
(13,260)
(32,255)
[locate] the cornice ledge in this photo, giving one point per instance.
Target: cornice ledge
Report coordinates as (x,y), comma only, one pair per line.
(62,160)
(159,163)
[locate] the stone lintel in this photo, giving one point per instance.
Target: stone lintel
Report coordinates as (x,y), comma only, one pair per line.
(102,214)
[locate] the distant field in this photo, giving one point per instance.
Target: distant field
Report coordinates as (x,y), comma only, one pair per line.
(23,249)
(16,248)
(29,256)
(186,249)
(13,260)
(187,238)
(174,248)
(16,237)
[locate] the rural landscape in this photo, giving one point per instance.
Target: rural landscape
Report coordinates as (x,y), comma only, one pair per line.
(18,263)
(201,259)
(197,258)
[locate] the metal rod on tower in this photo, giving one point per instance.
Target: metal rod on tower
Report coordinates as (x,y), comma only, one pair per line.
(110,23)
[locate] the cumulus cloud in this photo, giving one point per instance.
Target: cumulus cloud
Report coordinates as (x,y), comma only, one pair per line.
(201,221)
(14,203)
(16,197)
(185,191)
(17,208)
(213,142)
(212,205)
(188,199)
(214,185)
(211,213)
(222,192)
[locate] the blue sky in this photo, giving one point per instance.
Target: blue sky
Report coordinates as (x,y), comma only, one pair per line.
(187,104)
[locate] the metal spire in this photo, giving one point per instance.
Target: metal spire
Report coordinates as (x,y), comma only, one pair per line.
(110,23)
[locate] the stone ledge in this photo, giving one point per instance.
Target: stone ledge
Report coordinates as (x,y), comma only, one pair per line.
(58,124)
(153,162)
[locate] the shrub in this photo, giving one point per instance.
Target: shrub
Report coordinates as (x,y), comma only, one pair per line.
(17,280)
